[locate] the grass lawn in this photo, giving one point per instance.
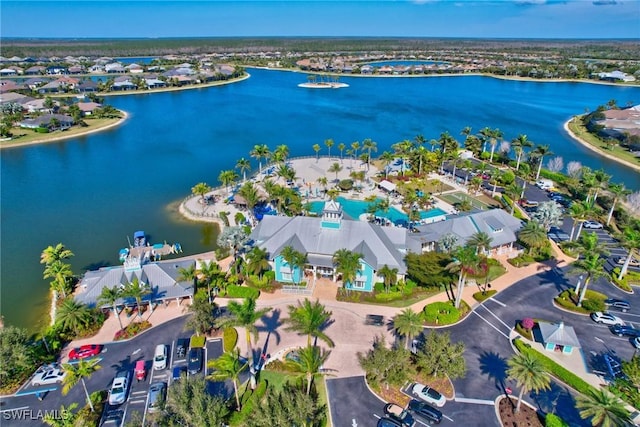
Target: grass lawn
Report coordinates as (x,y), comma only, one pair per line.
(405,302)
(457,197)
(25,136)
(275,379)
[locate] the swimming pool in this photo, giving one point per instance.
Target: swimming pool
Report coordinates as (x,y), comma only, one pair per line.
(354,208)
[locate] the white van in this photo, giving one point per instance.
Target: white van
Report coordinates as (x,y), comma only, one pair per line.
(160,357)
(544,184)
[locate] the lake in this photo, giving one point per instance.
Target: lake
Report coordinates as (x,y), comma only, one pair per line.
(93,192)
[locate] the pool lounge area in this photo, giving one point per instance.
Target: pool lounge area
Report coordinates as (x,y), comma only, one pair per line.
(355,208)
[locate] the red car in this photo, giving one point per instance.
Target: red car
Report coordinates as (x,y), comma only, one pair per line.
(85,351)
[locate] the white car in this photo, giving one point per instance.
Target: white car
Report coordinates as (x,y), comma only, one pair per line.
(119,388)
(606,318)
(592,225)
(160,357)
(429,395)
(48,374)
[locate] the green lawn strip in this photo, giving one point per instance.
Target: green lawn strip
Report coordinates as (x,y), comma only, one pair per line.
(580,131)
(479,296)
(229,339)
(24,136)
(564,375)
(567,300)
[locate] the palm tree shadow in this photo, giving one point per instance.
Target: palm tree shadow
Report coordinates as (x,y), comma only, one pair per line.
(560,401)
(271,322)
(494,366)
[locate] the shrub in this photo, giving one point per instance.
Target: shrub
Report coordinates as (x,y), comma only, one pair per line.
(440,313)
(593,305)
(568,299)
(552,420)
(133,329)
(197,341)
(481,296)
(631,278)
(229,339)
(378,287)
(523,331)
(521,260)
(346,184)
(235,291)
(527,323)
(386,297)
(269,275)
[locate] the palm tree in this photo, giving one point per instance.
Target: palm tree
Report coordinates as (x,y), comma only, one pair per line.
(370,146)
(465,260)
(528,373)
(228,366)
(227,178)
(281,153)
(295,260)
(316,148)
(309,363)
(630,240)
(137,290)
(73,316)
(541,151)
(208,271)
(200,189)
(481,241)
(601,181)
(580,212)
(244,315)
(518,144)
(591,266)
(61,274)
(77,372)
(260,152)
(402,150)
(533,235)
(355,146)
(111,296)
(55,253)
(341,147)
(386,157)
(335,167)
(329,143)
(309,319)
(494,136)
(258,261)
(243,165)
(407,324)
(323,181)
(389,276)
(513,191)
(347,264)
(603,408)
(64,417)
(619,193)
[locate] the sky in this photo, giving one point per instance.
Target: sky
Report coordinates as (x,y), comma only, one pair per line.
(566,19)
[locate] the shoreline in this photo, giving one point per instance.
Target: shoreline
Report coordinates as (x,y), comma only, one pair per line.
(596,149)
(65,137)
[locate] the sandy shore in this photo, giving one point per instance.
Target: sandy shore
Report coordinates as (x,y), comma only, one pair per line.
(125,116)
(597,150)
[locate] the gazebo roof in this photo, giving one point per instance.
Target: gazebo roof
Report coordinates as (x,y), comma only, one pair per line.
(559,333)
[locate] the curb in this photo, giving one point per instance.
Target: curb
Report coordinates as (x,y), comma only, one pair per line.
(500,398)
(566,310)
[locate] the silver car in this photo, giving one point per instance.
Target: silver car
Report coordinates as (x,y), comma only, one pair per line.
(157,396)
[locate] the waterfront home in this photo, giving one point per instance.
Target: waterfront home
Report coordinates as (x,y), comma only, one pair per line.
(162,278)
(320,237)
(86,86)
(500,226)
(49,121)
(88,108)
(36,70)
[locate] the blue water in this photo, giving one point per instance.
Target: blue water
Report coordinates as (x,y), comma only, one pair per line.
(137,60)
(404,63)
(92,192)
(355,208)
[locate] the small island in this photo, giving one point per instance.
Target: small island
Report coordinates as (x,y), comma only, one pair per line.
(323,83)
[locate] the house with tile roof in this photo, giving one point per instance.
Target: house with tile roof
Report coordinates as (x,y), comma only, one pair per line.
(320,237)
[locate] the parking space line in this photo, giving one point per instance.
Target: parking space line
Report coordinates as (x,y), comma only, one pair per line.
(490,324)
(449,418)
(497,302)
(494,315)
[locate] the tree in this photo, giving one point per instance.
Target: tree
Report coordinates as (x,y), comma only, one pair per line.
(464,262)
(73,316)
(234,238)
(310,319)
(604,409)
(209,272)
(336,168)
(316,148)
(493,136)
(629,239)
(513,191)
(78,372)
(329,143)
(619,193)
(389,276)
(61,274)
(385,366)
(243,165)
(529,374)
(55,253)
(64,417)
(386,157)
(111,296)
(533,235)
(260,152)
(309,363)
(190,404)
(341,148)
(407,324)
(250,194)
(200,189)
(481,241)
(228,366)
(518,144)
(203,317)
(245,316)
(439,357)
(592,267)
(227,178)
(548,214)
(257,261)
(295,260)
(601,182)
(281,153)
(16,353)
(289,406)
(370,146)
(347,263)
(541,151)
(137,290)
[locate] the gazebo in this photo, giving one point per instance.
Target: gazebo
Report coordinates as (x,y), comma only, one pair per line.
(387,186)
(558,337)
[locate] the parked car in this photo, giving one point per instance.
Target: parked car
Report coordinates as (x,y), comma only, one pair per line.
(429,395)
(606,318)
(620,304)
(374,319)
(388,422)
(623,330)
(194,361)
(424,412)
(181,347)
(178,372)
(397,413)
(592,225)
(157,396)
(85,351)
(119,388)
(48,374)
(160,357)
(633,263)
(529,203)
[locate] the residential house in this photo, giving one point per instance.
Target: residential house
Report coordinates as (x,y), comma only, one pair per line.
(35,82)
(320,237)
(87,86)
(114,67)
(36,105)
(88,108)
(36,70)
(7,72)
(76,69)
(154,83)
(48,121)
(616,76)
(55,86)
(135,68)
(56,70)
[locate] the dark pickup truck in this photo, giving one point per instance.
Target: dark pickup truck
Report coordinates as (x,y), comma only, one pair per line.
(374,319)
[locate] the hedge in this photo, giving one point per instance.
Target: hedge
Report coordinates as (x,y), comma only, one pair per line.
(440,313)
(481,296)
(197,341)
(236,291)
(593,301)
(229,339)
(552,420)
(564,375)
